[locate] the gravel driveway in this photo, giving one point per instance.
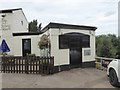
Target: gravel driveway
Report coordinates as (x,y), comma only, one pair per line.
(75,78)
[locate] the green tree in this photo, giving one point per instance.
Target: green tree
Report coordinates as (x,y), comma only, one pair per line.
(106,46)
(118,48)
(114,39)
(34,27)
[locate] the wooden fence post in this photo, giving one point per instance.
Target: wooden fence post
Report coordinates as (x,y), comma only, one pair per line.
(26,65)
(3,64)
(41,65)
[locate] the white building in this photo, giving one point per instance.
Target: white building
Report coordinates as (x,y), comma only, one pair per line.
(14,23)
(71,45)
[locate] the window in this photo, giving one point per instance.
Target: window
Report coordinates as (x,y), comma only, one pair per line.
(27,44)
(75,41)
(63,42)
(86,41)
(87,52)
(22,22)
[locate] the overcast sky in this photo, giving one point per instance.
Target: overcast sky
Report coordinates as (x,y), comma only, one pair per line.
(100,13)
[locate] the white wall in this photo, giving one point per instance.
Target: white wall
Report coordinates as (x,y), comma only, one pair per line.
(9,24)
(92,50)
(34,45)
(0,26)
(12,22)
(17,25)
(18,45)
(17,49)
(61,56)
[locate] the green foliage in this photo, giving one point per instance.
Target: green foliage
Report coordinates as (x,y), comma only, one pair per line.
(3,53)
(31,55)
(118,48)
(33,26)
(108,46)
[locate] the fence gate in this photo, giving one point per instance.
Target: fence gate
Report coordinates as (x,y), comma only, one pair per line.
(38,65)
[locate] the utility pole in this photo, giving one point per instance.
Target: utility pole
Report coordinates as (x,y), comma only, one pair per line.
(119,18)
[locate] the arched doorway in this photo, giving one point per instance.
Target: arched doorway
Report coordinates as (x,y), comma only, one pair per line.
(74,42)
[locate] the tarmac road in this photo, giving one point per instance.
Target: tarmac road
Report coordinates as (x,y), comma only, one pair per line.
(75,78)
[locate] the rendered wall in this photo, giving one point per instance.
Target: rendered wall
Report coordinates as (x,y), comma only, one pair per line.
(11,23)
(61,56)
(18,45)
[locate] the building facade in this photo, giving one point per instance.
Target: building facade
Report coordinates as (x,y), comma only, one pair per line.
(71,45)
(14,29)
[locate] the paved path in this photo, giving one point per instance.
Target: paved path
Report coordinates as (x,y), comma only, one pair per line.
(75,78)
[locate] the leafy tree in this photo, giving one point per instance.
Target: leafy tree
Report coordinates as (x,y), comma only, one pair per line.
(106,46)
(114,39)
(43,43)
(33,26)
(118,48)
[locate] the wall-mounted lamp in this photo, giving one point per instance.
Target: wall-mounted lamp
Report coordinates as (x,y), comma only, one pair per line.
(91,32)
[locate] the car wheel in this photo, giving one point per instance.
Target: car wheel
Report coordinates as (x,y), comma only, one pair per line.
(113,78)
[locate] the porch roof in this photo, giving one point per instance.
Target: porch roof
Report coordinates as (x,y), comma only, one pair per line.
(27,33)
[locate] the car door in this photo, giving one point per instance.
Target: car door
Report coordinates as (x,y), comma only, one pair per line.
(119,69)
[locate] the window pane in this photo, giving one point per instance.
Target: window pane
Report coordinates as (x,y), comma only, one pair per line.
(86,41)
(63,42)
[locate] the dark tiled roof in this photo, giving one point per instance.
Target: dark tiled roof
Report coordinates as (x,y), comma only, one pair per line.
(9,10)
(68,26)
(27,33)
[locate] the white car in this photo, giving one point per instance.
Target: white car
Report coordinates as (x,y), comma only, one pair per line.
(113,71)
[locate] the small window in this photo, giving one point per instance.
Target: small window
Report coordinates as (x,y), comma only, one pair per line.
(63,42)
(22,22)
(86,41)
(87,52)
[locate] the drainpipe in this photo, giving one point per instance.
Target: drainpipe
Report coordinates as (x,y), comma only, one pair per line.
(60,32)
(59,63)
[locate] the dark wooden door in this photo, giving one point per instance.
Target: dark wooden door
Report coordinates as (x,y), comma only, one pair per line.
(26,47)
(75,44)
(75,57)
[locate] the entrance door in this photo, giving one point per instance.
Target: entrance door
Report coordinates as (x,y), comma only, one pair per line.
(26,47)
(75,57)
(75,43)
